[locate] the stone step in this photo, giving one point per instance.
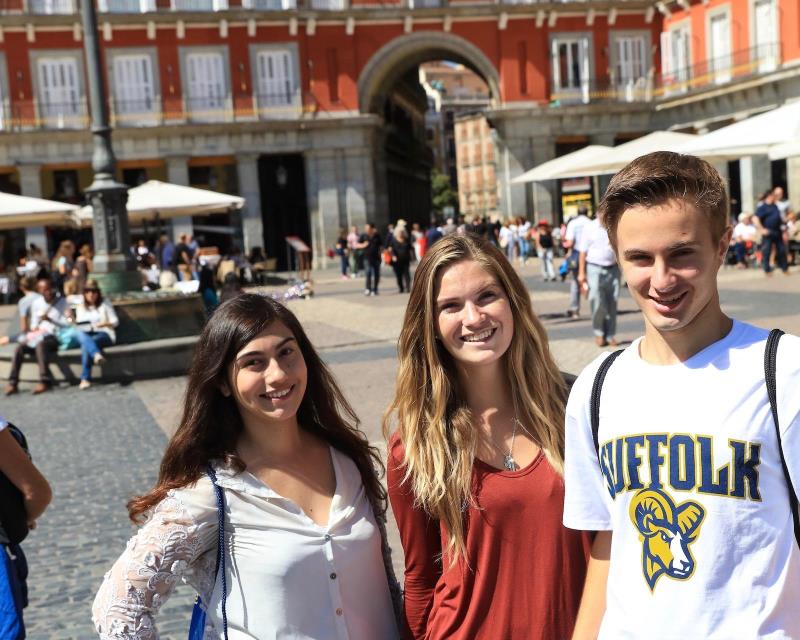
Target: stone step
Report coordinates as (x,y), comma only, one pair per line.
(124,362)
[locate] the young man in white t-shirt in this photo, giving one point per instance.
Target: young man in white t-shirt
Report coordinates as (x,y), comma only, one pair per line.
(692,507)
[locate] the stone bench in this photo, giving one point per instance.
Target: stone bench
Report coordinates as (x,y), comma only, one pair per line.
(124,362)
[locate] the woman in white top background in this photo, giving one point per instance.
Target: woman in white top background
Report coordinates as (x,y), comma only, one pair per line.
(305,545)
(96,321)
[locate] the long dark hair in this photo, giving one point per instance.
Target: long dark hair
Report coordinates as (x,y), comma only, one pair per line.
(211,424)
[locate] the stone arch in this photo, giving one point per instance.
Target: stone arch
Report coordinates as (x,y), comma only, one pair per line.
(410,50)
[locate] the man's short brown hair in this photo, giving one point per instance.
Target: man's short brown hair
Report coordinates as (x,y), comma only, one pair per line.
(659,177)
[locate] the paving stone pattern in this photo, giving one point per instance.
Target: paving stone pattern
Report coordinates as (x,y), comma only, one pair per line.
(97,448)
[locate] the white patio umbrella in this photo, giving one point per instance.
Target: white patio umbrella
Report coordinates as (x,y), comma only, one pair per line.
(558,167)
(164,200)
(619,157)
(17,212)
(773,132)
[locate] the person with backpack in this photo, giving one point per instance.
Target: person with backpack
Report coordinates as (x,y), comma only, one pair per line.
(268,499)
(683,450)
(24,496)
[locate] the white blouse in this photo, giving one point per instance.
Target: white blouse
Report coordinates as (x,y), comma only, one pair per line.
(287,576)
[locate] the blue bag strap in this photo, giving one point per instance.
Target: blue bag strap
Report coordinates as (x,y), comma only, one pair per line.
(220,545)
(770,377)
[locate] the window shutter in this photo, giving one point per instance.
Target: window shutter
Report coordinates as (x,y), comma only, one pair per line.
(666,54)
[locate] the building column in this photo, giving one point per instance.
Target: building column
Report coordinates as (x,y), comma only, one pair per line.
(793,180)
(603,180)
(178,173)
(322,182)
(30,183)
(249,189)
(544,193)
(755,178)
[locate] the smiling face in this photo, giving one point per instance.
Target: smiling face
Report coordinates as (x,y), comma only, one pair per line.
(268,377)
(670,261)
(473,315)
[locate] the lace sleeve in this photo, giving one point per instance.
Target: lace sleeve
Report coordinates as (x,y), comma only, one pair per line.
(177,541)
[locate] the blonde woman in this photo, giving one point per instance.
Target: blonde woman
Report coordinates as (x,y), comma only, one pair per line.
(475,465)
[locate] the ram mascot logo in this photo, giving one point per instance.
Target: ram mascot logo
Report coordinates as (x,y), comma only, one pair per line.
(666,532)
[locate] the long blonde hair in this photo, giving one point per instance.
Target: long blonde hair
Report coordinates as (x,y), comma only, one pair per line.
(434,423)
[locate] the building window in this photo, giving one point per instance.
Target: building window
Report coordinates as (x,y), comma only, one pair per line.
(329,5)
(675,58)
(719,42)
(51,7)
(126,6)
(631,66)
(206,86)
(60,100)
(199,5)
(765,36)
(134,88)
(571,63)
(275,80)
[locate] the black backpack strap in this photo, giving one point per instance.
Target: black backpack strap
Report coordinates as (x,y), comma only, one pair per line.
(594,402)
(770,376)
(220,545)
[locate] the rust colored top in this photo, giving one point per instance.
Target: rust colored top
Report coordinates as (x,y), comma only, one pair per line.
(525,571)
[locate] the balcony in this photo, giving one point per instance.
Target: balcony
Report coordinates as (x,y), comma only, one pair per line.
(604,90)
(136,113)
(26,115)
(762,58)
(269,5)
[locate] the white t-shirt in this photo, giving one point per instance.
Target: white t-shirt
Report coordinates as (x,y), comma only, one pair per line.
(744,232)
(595,243)
(49,316)
(708,550)
(575,228)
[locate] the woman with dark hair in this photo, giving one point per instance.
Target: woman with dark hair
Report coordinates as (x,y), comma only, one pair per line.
(96,322)
(304,546)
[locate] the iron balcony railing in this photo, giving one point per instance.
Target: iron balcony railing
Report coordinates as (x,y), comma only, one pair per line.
(595,90)
(759,59)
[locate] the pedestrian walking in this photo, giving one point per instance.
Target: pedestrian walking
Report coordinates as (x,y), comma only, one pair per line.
(402,253)
(598,275)
(768,218)
(342,250)
(572,236)
(544,249)
(680,453)
(372,246)
(268,500)
(355,255)
(474,470)
(182,258)
(24,496)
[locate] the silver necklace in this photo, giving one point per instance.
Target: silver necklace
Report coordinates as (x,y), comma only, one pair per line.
(508,458)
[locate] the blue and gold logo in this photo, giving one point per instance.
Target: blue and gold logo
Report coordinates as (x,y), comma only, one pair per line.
(666,532)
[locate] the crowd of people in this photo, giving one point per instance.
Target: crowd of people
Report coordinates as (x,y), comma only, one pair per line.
(770,237)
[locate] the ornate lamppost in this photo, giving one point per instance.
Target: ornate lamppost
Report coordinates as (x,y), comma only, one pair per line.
(113,265)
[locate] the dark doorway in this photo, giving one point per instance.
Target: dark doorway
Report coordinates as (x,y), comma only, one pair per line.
(284,207)
(779,175)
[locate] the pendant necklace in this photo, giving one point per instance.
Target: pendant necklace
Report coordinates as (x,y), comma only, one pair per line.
(508,459)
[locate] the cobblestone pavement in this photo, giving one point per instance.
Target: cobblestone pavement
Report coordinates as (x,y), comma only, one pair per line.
(100,447)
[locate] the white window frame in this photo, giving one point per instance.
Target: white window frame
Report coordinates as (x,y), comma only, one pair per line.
(219,108)
(266,107)
(635,88)
(195,5)
(54,117)
(123,114)
(127,6)
(766,54)
(585,42)
(676,73)
(720,62)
